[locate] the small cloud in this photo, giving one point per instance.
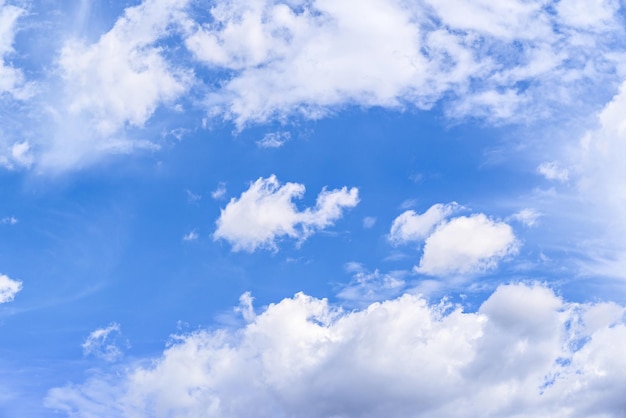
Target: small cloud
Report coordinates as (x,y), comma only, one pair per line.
(527,217)
(552,171)
(220,192)
(8,288)
(274,140)
(410,226)
(266,212)
(102,343)
(368,222)
(192,197)
(192,236)
(11,220)
(408,204)
(367,287)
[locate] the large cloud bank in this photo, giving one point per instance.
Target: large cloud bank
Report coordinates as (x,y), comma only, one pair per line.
(263,60)
(525,352)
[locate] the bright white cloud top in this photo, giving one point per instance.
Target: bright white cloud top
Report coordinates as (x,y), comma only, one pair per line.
(525,352)
(266,212)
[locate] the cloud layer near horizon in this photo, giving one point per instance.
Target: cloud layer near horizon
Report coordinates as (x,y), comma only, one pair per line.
(525,352)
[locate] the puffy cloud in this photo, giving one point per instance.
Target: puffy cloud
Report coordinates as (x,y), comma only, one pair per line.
(310,57)
(103,343)
(8,288)
(266,212)
(467,245)
(461,245)
(525,352)
(410,226)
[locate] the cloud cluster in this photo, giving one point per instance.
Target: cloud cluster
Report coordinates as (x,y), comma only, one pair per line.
(266,212)
(525,352)
(8,288)
(460,245)
(261,61)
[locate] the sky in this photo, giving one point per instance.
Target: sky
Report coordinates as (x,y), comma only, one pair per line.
(312,208)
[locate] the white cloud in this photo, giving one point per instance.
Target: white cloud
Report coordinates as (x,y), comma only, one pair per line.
(11,220)
(307,58)
(527,216)
(552,171)
(266,212)
(220,192)
(274,140)
(11,79)
(369,222)
(410,226)
(102,343)
(525,352)
(8,288)
(191,236)
(367,287)
(467,245)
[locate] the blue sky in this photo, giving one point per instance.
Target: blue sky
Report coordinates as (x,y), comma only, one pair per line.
(312,208)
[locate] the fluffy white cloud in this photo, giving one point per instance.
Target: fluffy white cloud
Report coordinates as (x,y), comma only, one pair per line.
(266,212)
(461,245)
(103,343)
(525,352)
(311,56)
(410,226)
(467,245)
(8,288)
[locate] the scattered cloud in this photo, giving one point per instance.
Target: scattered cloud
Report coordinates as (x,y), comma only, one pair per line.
(10,220)
(191,236)
(525,352)
(367,287)
(192,197)
(552,171)
(410,226)
(466,245)
(369,222)
(266,212)
(527,216)
(11,79)
(8,288)
(103,343)
(274,140)
(220,192)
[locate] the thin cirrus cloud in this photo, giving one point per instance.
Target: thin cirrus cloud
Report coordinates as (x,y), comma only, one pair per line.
(524,352)
(103,343)
(260,61)
(266,213)
(460,245)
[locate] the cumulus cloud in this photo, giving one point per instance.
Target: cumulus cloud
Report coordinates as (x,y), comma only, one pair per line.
(467,245)
(460,245)
(8,288)
(525,352)
(410,226)
(307,58)
(103,343)
(266,212)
